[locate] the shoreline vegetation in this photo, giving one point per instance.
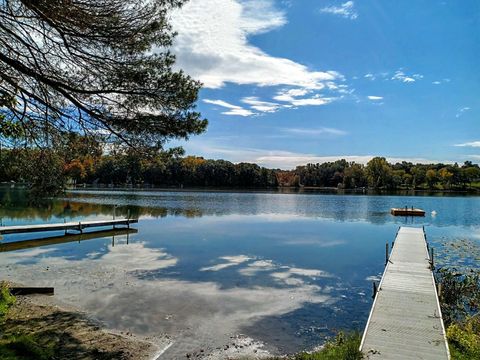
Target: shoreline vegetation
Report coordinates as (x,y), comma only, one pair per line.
(81,162)
(459,297)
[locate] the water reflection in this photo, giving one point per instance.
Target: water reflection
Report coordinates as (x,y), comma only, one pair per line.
(113,285)
(374,209)
(286,269)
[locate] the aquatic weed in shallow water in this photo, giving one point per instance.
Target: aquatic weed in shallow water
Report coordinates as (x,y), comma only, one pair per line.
(459,293)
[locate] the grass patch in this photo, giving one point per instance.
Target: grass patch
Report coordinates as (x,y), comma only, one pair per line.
(343,347)
(6,300)
(24,347)
(464,339)
(18,347)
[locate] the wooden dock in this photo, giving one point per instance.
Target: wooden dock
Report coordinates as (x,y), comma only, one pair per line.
(54,240)
(78,226)
(405,321)
(407,212)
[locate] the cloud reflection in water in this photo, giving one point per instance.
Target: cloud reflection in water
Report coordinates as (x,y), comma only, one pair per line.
(108,286)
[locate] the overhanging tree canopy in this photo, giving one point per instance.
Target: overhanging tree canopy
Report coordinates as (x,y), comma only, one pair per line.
(95,66)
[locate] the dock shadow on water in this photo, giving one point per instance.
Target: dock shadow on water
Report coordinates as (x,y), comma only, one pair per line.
(286,270)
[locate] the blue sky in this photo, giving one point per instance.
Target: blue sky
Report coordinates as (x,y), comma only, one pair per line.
(291,82)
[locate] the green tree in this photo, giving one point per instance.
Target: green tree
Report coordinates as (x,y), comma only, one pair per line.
(471,174)
(379,172)
(354,176)
(445,176)
(99,66)
(431,178)
(419,175)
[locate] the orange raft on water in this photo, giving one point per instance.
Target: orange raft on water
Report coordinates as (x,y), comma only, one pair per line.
(407,212)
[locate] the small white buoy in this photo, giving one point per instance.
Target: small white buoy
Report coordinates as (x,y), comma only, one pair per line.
(434,213)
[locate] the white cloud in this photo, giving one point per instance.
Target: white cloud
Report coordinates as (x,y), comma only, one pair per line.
(461,111)
(315,131)
(221,103)
(239,112)
(474,144)
(212,45)
(262,106)
(401,76)
(346,10)
(292,96)
(375,98)
(234,109)
(370,76)
(441,81)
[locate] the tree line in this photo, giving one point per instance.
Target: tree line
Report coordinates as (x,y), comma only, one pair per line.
(378,173)
(79,160)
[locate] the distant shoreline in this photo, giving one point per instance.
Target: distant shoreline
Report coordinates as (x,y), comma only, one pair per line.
(279,189)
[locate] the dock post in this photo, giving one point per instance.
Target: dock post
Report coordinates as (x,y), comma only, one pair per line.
(374,289)
(432,263)
(386,253)
(65,221)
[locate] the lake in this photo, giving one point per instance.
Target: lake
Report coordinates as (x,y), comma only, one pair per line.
(284,269)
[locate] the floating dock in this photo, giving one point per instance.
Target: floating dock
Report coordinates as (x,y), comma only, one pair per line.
(406,321)
(407,212)
(78,226)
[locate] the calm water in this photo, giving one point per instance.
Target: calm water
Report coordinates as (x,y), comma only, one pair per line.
(285,269)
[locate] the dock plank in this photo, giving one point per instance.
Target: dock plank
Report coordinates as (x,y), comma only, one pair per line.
(405,321)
